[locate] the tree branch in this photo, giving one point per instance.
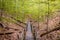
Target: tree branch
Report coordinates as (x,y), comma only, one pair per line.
(55,29)
(6,33)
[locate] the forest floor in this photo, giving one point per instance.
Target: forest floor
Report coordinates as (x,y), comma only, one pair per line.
(19,31)
(52,23)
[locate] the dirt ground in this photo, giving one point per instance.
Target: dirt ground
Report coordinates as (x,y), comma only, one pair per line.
(18,32)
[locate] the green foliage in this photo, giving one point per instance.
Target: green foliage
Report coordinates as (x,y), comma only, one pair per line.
(19,8)
(0,19)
